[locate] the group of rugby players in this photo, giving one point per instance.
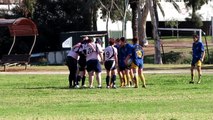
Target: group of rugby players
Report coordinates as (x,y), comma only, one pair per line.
(119,57)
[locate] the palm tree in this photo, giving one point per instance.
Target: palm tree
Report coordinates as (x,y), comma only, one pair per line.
(195,5)
(28,8)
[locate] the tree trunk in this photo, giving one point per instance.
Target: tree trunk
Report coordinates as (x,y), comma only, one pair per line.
(134,5)
(94,19)
(124,18)
(142,17)
(157,56)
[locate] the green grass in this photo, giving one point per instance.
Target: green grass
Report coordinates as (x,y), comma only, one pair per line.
(167,97)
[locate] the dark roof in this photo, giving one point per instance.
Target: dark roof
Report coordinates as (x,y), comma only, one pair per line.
(20,26)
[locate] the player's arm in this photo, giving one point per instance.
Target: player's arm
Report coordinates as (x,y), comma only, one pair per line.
(127,58)
(100,52)
(116,57)
(129,53)
(203,56)
(202,53)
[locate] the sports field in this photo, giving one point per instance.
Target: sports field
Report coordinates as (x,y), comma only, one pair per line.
(47,97)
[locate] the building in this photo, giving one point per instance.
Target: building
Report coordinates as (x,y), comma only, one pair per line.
(171,13)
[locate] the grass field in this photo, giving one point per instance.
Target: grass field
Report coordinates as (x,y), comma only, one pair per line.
(46,97)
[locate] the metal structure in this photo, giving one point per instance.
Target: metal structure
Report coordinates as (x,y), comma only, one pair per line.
(18,27)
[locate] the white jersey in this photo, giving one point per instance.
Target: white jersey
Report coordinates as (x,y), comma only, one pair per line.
(92,51)
(73,52)
(110,52)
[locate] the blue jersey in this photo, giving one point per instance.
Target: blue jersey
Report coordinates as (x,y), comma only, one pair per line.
(123,51)
(197,49)
(137,54)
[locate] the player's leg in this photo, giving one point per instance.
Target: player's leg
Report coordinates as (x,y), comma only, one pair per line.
(90,70)
(192,74)
(108,79)
(83,75)
(113,78)
(91,78)
(135,74)
(82,72)
(199,71)
(97,69)
(127,77)
(120,77)
(72,66)
(141,75)
(107,66)
(192,70)
(124,81)
(132,80)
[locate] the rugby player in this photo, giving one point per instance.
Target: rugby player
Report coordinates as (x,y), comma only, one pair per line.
(71,62)
(110,63)
(198,54)
(93,51)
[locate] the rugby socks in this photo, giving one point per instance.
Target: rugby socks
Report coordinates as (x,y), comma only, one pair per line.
(199,79)
(83,80)
(107,80)
(136,80)
(143,80)
(127,81)
(113,79)
(192,79)
(78,80)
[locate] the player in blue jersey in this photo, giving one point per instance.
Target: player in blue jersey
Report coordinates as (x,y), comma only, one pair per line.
(198,54)
(123,52)
(136,55)
(117,45)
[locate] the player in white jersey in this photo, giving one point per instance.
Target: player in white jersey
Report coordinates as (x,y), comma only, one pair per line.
(71,61)
(93,51)
(111,61)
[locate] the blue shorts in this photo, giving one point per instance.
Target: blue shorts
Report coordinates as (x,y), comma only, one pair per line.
(122,67)
(140,65)
(93,65)
(196,62)
(110,65)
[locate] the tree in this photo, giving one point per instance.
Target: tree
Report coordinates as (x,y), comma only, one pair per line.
(107,8)
(54,17)
(25,9)
(158,58)
(119,11)
(143,11)
(172,23)
(195,5)
(134,4)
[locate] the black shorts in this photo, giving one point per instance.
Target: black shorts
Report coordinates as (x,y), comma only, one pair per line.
(122,68)
(82,65)
(93,65)
(110,65)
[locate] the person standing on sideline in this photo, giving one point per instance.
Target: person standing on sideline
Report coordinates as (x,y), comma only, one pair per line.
(198,54)
(71,62)
(110,63)
(93,51)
